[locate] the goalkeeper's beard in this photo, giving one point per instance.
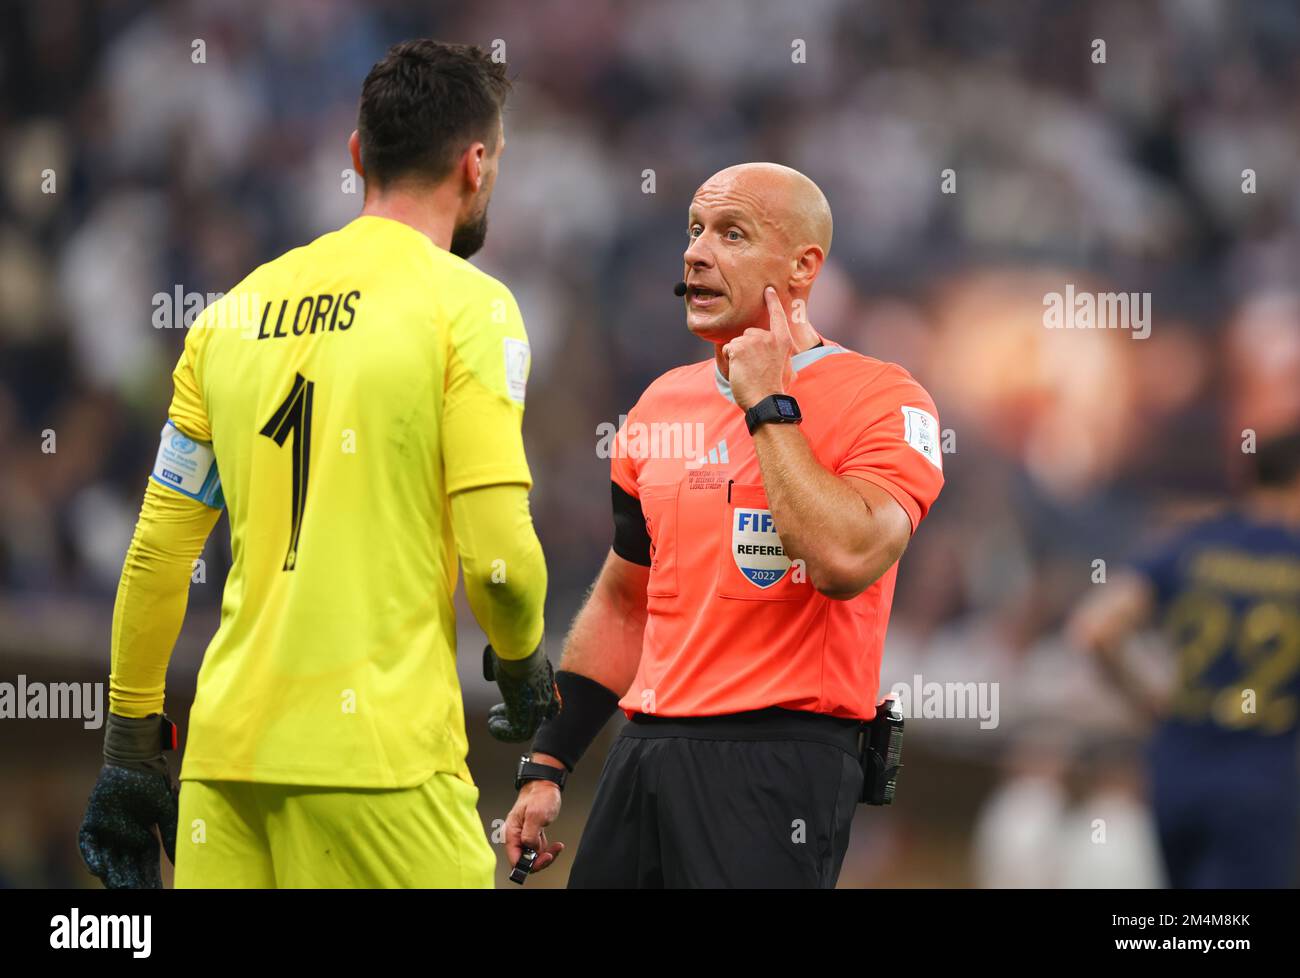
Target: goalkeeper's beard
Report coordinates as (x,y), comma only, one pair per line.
(468,238)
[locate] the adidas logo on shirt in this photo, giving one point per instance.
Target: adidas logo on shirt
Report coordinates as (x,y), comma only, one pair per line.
(717,456)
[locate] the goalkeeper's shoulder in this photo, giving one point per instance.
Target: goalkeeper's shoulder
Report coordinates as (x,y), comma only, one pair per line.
(485,332)
(482,299)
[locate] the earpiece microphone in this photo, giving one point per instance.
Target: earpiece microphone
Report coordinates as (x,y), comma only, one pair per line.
(679,289)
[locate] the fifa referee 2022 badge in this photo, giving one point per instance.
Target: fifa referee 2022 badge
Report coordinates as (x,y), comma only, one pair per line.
(741,612)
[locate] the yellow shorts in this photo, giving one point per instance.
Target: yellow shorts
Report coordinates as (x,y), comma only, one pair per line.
(239,834)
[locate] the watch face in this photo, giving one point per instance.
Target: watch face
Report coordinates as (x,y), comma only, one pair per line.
(773,409)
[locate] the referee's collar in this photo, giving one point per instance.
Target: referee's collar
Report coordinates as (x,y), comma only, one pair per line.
(797,363)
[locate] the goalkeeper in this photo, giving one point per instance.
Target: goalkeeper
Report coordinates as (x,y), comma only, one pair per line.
(362,429)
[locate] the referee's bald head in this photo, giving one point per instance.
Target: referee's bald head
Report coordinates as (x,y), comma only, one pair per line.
(792,203)
(750,226)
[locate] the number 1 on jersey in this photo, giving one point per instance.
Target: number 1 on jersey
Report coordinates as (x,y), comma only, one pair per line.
(293,416)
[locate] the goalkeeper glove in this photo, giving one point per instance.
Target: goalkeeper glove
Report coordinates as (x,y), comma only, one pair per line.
(528,687)
(134,793)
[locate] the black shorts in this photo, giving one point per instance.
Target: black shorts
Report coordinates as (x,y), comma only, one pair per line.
(762,799)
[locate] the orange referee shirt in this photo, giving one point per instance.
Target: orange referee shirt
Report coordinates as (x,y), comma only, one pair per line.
(732,624)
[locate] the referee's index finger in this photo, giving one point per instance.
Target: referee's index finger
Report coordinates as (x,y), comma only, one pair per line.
(777,322)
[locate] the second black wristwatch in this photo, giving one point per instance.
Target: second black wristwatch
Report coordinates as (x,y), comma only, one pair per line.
(777,408)
(532,771)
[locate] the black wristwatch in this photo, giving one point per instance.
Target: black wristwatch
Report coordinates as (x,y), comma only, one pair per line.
(777,408)
(532,771)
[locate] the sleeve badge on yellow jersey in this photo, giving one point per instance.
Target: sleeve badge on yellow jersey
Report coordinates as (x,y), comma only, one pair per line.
(517,357)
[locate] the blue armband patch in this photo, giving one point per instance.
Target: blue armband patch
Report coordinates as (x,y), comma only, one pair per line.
(188,466)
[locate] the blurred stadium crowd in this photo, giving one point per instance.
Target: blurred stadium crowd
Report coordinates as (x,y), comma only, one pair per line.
(1064,446)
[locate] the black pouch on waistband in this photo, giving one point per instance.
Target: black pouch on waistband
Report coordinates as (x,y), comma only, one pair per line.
(880,754)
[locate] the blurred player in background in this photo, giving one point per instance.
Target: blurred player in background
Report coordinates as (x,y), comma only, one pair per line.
(740,615)
(361,421)
(1226,591)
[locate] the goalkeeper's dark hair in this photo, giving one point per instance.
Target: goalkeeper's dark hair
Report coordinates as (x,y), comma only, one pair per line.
(1277,460)
(423,103)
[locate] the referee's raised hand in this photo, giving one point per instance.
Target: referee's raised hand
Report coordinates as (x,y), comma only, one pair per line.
(758,360)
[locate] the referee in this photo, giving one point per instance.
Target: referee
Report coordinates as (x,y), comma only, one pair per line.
(739,618)
(355,406)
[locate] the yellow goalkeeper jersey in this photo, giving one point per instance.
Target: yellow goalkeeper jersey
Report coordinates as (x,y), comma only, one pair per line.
(347,389)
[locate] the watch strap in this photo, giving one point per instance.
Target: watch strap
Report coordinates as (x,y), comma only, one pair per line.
(768,410)
(533,771)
